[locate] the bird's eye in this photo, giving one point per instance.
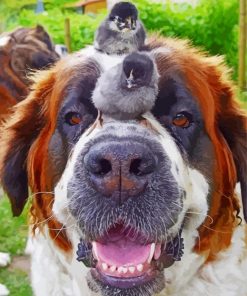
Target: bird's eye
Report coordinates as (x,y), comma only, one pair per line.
(115,18)
(182,119)
(73,118)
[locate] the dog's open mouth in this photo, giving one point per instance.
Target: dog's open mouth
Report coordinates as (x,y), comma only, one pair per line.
(124,258)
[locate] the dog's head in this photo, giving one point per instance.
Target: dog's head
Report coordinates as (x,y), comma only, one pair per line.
(21,51)
(32,50)
(130,190)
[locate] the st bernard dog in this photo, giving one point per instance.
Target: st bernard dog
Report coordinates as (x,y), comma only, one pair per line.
(132,208)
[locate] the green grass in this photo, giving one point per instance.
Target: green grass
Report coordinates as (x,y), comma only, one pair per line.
(17,282)
(13,236)
(13,230)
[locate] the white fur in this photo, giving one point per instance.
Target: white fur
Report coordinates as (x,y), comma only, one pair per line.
(226,276)
(106,61)
(161,50)
(187,178)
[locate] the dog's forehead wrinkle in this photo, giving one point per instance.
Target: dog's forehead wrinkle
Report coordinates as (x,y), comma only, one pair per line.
(77,66)
(106,61)
(164,50)
(123,132)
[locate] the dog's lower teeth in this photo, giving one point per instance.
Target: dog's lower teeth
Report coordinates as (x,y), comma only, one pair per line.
(113,268)
(132,269)
(140,267)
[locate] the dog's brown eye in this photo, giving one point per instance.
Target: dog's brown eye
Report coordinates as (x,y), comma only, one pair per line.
(73,118)
(182,120)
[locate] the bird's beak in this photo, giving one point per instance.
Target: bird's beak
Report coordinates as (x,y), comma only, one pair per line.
(128,24)
(130,81)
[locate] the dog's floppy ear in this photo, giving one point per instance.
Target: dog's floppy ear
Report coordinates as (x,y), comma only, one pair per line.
(233,125)
(17,136)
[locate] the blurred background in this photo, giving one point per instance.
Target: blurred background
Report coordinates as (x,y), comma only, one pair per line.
(217,26)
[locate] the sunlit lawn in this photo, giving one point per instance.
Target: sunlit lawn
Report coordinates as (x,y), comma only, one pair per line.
(13,236)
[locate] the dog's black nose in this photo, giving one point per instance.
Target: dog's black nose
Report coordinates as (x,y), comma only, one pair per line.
(120,170)
(137,69)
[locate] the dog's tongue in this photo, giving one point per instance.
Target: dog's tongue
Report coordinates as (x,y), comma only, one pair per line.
(123,252)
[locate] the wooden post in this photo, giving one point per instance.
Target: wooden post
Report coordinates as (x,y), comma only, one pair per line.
(242,44)
(67,34)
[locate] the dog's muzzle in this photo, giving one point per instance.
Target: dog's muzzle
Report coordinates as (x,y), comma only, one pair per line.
(121,186)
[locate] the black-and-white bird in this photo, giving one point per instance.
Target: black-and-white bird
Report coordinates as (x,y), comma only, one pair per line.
(129,89)
(121,32)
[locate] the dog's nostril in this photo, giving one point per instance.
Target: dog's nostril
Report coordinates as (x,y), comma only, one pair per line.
(104,167)
(141,167)
(99,166)
(135,167)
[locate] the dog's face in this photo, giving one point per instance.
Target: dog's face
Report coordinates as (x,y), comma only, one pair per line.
(129,190)
(33,50)
(22,51)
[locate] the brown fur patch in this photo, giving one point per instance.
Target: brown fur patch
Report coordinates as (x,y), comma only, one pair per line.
(27,49)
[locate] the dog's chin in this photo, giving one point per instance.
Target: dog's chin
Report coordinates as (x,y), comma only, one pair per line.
(124,262)
(144,285)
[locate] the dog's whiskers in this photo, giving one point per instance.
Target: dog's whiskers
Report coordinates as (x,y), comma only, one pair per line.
(196,213)
(41,193)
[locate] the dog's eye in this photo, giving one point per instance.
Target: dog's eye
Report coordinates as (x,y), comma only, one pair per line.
(182,119)
(73,118)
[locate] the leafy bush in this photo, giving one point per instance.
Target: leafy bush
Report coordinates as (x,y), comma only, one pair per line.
(82,26)
(212,24)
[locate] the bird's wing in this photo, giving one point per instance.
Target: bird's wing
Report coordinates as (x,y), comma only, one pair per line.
(103,36)
(140,36)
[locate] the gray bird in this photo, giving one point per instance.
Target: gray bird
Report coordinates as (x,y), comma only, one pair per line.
(121,32)
(129,89)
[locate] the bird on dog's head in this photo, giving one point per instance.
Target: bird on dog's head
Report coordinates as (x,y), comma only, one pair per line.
(121,32)
(124,15)
(134,91)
